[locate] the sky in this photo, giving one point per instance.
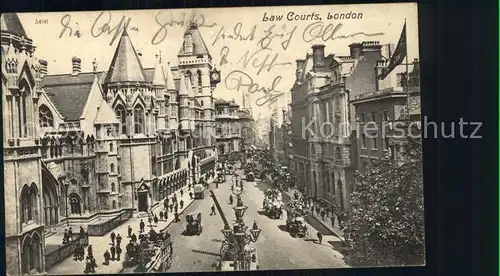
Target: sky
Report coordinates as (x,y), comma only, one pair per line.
(62,35)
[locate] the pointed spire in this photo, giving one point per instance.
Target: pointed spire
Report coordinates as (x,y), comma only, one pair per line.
(159,74)
(125,65)
(169,77)
(199,46)
(182,87)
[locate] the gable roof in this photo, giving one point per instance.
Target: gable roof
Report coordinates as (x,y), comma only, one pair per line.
(199,46)
(125,65)
(10,23)
(69,93)
(105,115)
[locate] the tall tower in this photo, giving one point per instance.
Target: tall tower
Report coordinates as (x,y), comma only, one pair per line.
(160,92)
(130,96)
(21,88)
(195,62)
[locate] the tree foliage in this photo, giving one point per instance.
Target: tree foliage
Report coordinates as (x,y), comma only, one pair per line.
(386,223)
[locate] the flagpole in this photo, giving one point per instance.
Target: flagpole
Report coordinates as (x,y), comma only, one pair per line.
(407,78)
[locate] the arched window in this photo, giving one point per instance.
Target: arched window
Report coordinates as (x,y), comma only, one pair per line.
(338,156)
(45,116)
(110,147)
(138,119)
(31,254)
(22,105)
(28,203)
(113,187)
(200,82)
(112,168)
(122,117)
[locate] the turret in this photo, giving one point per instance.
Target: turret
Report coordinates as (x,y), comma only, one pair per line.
(183,104)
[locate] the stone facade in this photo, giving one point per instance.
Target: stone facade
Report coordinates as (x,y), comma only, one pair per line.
(92,145)
(228,129)
(323,133)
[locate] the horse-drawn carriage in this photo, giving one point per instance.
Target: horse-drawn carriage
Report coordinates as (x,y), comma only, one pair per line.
(151,247)
(193,226)
(250,176)
(295,221)
(296,226)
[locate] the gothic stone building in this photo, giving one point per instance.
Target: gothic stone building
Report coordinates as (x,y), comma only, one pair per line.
(88,146)
(323,133)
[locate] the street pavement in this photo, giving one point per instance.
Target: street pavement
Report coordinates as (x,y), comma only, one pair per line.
(102,243)
(276,249)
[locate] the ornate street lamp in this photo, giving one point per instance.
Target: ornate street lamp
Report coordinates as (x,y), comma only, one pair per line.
(239,209)
(226,231)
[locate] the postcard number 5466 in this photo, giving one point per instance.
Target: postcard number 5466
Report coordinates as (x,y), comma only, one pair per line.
(41,21)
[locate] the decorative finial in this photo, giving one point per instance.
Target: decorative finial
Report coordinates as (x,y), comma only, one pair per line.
(94,64)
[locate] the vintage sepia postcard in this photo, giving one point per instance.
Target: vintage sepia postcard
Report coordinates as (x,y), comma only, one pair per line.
(189,140)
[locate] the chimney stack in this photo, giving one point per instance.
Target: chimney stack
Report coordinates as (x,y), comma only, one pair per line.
(318,56)
(298,71)
(43,67)
(77,66)
(356,50)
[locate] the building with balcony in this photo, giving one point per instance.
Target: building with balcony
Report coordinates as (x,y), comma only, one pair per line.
(228,138)
(323,136)
(385,118)
(84,148)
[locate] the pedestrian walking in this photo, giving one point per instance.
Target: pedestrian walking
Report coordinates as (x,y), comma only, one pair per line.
(176,207)
(323,213)
(65,236)
(150,220)
(182,192)
(82,232)
(113,252)
(332,219)
(141,226)
(181,203)
(106,256)
(93,264)
(213,210)
(70,234)
(118,240)
(191,195)
(118,253)
(176,217)
(133,238)
(156,220)
(165,216)
(320,237)
(171,207)
(129,231)
(90,252)
(161,215)
(87,269)
(113,236)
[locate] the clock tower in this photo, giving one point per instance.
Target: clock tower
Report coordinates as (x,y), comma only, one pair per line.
(195,62)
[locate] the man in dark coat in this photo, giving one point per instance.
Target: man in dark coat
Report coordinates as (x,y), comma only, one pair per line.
(320,237)
(141,226)
(113,236)
(118,252)
(181,203)
(113,252)
(129,231)
(171,207)
(106,256)
(82,232)
(90,254)
(213,210)
(182,192)
(93,264)
(161,215)
(118,240)
(70,234)
(156,219)
(133,238)
(176,207)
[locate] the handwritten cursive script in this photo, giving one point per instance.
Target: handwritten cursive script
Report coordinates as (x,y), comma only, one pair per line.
(236,34)
(262,59)
(240,81)
(271,34)
(161,33)
(102,24)
(318,30)
(65,22)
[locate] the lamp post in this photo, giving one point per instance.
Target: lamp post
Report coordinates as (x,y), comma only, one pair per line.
(66,185)
(238,235)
